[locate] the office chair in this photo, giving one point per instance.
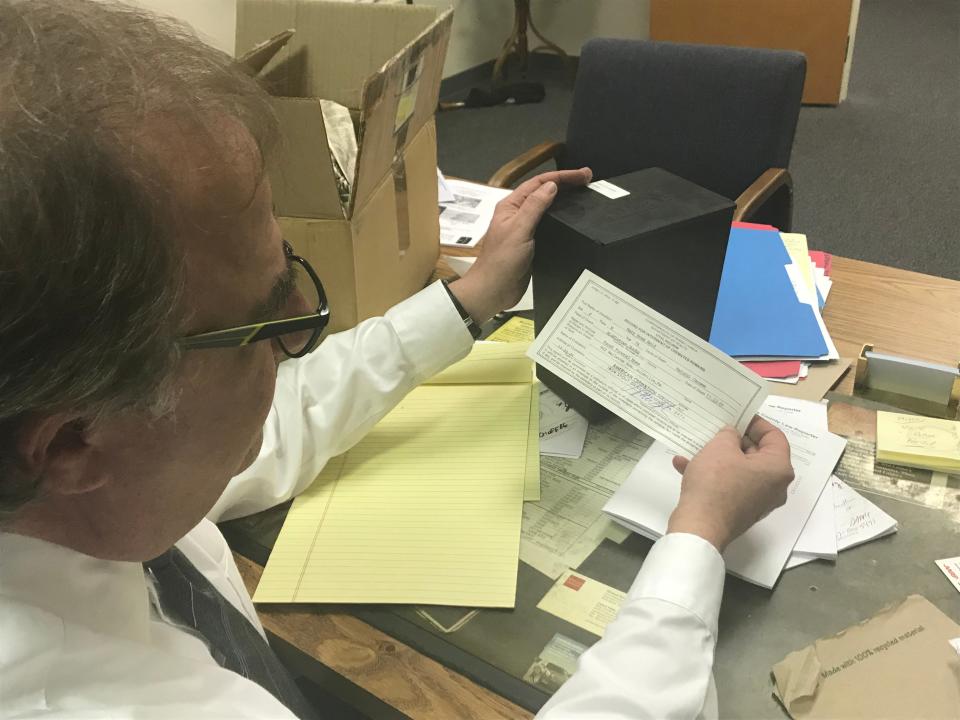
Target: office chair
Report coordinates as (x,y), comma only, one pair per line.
(722,117)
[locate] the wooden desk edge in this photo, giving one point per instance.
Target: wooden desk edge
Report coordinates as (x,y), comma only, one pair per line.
(396,673)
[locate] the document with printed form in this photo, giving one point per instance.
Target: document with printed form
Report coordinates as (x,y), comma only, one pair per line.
(427,508)
(653,373)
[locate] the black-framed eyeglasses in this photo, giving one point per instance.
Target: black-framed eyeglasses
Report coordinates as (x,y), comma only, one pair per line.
(297,336)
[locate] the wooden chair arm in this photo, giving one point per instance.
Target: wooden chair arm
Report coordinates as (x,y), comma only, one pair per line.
(513,170)
(760,190)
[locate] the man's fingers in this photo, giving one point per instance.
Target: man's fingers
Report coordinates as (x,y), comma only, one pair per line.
(560,177)
(767,436)
(727,435)
(533,208)
(680,464)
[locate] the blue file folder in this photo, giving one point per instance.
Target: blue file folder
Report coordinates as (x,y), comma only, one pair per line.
(758,313)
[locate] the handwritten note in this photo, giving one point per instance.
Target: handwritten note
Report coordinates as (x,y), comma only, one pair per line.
(427,508)
(856,519)
(951,568)
(642,366)
(562,429)
(918,441)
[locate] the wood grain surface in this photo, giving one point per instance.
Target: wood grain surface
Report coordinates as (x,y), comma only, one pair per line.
(900,312)
(400,676)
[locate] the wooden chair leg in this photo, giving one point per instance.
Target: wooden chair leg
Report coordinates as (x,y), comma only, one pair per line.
(547,46)
(516,42)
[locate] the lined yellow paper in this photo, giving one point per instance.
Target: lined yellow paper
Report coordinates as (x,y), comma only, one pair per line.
(427,508)
(489,362)
(918,441)
(531,478)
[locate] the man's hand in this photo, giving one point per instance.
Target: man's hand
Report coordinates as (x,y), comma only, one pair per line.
(732,483)
(500,275)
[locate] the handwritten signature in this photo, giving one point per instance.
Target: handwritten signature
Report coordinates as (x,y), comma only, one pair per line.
(641,391)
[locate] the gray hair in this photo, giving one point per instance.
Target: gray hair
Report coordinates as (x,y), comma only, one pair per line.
(90,280)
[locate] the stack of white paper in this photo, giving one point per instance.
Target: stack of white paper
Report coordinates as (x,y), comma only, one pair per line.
(856,521)
(842,518)
(818,538)
(647,498)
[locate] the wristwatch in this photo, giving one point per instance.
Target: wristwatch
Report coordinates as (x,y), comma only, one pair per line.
(468,322)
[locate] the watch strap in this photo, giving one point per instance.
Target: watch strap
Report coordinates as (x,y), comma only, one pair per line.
(468,321)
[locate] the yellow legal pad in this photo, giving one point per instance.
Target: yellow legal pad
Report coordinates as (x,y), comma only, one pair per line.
(918,441)
(426,509)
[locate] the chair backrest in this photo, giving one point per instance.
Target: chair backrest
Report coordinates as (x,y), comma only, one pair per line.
(717,116)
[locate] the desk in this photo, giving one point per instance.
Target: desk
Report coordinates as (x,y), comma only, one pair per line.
(898,311)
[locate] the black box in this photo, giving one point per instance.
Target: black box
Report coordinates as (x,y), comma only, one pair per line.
(664,243)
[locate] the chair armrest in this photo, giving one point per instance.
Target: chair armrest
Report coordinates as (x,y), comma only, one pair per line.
(759,192)
(513,170)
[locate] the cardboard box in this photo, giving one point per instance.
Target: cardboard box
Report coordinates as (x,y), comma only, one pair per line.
(821,29)
(378,242)
(656,236)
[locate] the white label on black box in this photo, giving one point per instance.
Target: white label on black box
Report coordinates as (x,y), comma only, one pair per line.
(608,189)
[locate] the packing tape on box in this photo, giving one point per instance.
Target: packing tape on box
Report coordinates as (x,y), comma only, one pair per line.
(375,87)
(407,101)
(403,211)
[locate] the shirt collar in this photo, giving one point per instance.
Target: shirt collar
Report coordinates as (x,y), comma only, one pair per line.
(106,596)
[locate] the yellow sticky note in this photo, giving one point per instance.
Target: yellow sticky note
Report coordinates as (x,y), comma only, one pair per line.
(917,441)
(516,329)
(586,603)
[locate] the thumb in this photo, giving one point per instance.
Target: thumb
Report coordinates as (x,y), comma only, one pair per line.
(534,206)
(680,464)
(727,436)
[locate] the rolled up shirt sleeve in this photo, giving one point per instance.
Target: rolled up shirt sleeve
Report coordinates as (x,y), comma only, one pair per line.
(325,402)
(655,659)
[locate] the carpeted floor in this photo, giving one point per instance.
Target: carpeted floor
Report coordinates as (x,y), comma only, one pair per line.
(877,178)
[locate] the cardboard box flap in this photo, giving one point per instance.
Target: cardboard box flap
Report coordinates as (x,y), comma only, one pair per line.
(339,44)
(302,176)
(397,101)
(383,62)
(255,59)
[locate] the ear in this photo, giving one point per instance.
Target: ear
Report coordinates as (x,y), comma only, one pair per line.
(58,450)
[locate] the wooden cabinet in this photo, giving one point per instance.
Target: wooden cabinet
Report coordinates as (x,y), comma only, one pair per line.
(821,29)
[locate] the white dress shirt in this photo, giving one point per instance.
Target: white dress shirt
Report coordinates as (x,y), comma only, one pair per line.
(84,638)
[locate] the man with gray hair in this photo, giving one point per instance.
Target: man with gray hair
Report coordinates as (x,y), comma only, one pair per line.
(146,301)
